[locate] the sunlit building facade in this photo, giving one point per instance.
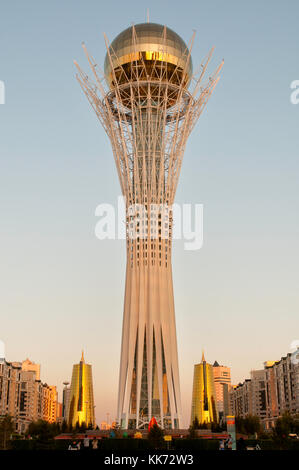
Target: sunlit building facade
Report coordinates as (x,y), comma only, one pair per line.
(23,396)
(270,392)
(50,403)
(31,366)
(148,101)
(81,400)
(204,403)
(222,380)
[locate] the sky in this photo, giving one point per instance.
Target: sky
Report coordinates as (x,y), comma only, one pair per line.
(61,289)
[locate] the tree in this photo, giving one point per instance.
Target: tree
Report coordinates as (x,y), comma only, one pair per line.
(192,433)
(195,423)
(82,426)
(6,429)
(203,425)
(252,424)
(43,430)
(285,425)
(64,426)
(249,425)
(155,436)
(77,427)
(240,425)
(216,427)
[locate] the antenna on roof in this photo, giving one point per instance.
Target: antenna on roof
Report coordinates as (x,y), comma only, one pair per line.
(147,15)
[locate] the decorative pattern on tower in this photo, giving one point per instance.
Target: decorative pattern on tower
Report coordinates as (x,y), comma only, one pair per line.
(148,113)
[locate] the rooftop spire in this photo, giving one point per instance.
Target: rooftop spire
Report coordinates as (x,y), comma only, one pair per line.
(203,356)
(82,357)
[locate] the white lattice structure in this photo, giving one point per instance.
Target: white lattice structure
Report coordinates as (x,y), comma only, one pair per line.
(143,102)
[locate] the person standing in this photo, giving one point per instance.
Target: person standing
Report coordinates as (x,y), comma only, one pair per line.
(241,444)
(73,446)
(94,444)
(86,442)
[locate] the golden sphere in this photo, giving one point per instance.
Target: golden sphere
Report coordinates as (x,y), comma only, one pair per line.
(153,56)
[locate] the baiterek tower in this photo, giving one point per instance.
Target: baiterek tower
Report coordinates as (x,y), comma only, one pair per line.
(148,103)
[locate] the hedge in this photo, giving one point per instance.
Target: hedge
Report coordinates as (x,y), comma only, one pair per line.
(133,445)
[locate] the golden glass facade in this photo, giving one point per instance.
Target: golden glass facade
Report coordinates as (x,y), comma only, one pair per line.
(204,406)
(81,403)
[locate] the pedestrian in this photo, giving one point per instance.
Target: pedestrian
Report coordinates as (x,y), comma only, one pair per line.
(73,446)
(86,442)
(221,445)
(94,444)
(241,444)
(79,445)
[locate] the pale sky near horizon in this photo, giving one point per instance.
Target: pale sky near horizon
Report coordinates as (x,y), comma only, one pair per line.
(61,288)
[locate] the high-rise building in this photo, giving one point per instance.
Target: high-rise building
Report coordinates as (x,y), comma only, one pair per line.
(50,403)
(282,382)
(59,417)
(25,397)
(241,399)
(31,366)
(249,397)
(65,400)
(223,385)
(81,402)
(269,392)
(148,107)
(204,403)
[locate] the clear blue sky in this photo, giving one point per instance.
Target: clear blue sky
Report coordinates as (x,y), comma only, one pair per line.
(62,289)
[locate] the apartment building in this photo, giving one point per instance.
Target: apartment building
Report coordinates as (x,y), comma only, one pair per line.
(23,396)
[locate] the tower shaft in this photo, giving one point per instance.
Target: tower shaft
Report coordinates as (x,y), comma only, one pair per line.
(149,381)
